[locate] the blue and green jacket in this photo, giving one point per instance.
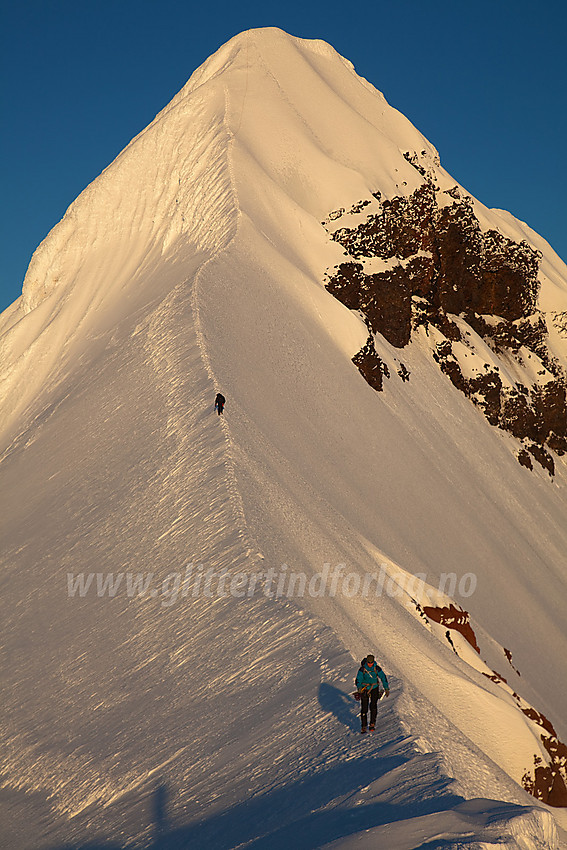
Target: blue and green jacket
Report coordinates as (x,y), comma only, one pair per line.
(367,677)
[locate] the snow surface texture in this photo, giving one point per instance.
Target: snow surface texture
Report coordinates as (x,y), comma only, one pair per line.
(195,263)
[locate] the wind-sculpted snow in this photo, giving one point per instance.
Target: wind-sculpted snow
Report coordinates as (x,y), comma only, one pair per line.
(169,186)
(200,716)
(166,201)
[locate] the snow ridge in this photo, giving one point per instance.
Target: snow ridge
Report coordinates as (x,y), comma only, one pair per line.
(196,263)
(166,199)
(201,341)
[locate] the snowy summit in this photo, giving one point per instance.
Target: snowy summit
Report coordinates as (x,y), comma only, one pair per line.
(187,596)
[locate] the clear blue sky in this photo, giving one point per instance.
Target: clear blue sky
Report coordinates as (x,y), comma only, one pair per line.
(485,81)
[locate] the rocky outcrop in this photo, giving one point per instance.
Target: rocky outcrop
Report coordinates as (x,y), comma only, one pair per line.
(536,415)
(401,228)
(423,261)
(455,618)
(370,365)
(382,297)
(547,780)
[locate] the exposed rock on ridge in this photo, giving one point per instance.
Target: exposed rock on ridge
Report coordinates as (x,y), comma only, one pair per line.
(547,779)
(424,261)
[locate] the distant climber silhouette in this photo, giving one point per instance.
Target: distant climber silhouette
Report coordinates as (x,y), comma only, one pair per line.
(220,402)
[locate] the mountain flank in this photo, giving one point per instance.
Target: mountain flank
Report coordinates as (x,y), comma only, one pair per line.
(423,261)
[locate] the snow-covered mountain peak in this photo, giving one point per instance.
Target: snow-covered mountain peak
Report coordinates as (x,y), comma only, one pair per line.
(278,51)
(252,86)
(277,221)
(267,116)
(269,43)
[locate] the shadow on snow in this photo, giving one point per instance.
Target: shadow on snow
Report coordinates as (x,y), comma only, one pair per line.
(307,813)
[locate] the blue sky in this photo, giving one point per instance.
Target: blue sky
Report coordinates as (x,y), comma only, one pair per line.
(485,81)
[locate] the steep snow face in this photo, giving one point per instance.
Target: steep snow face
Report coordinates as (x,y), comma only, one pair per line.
(374,462)
(311,131)
(196,262)
(145,202)
(166,201)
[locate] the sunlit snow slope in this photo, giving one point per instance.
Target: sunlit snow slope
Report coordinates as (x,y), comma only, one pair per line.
(196,262)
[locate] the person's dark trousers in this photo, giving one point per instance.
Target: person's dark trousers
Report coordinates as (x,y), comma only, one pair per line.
(371,698)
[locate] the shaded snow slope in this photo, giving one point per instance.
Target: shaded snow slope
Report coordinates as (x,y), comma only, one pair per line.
(165,201)
(196,262)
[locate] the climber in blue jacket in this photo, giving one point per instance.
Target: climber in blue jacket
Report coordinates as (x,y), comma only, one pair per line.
(368,689)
